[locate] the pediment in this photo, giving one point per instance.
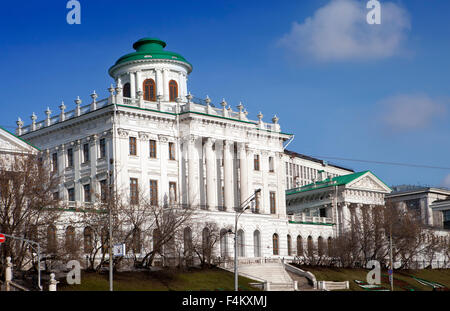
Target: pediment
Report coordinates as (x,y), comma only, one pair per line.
(369,182)
(12,144)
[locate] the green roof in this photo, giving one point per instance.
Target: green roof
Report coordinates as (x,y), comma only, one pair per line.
(335,181)
(148,49)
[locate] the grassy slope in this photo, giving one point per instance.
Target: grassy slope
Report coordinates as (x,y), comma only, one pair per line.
(211,279)
(401,278)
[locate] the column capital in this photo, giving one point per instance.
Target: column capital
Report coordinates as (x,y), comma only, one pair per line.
(228,143)
(242,146)
(210,142)
(163,138)
(122,133)
(143,136)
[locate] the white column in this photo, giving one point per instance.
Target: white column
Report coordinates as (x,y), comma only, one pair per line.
(345,218)
(138,82)
(194,195)
(243,181)
(132,85)
(166,84)
(211,186)
(228,175)
(159,82)
(93,163)
(77,159)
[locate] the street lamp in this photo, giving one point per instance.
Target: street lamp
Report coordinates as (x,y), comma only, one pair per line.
(243,207)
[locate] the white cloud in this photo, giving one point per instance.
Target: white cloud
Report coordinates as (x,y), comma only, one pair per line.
(410,111)
(339,32)
(446,181)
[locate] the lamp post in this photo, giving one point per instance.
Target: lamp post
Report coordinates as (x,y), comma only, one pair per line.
(244,207)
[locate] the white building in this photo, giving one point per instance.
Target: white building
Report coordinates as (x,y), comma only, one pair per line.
(151,133)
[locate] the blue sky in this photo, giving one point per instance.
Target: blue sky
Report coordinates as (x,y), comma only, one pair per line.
(344,88)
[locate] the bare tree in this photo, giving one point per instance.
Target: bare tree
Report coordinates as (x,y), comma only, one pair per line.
(205,237)
(29,204)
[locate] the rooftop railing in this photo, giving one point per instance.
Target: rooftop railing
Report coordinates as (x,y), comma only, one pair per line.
(190,104)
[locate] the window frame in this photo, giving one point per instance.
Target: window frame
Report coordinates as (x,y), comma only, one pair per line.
(132,146)
(152,149)
(149,89)
(173,90)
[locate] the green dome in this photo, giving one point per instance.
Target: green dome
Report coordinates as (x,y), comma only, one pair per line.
(150,48)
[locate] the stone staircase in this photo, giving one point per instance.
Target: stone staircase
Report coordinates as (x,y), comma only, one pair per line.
(273,273)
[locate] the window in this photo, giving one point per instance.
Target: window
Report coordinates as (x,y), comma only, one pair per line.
(87,193)
(256,243)
(70,239)
(154,192)
(136,241)
(271,168)
(173,90)
(240,243)
(51,239)
(71,194)
(257,201)
(103,190)
(133,191)
(149,87)
(171,151)
(85,153)
(310,246)
(320,247)
(127,90)
(256,162)
(133,150)
(156,240)
(275,244)
(153,149)
(88,240)
(299,246)
(172,191)
(55,162)
(272,203)
(102,148)
(70,157)
(330,247)
(289,248)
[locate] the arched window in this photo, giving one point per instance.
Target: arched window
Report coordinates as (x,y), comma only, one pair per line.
(330,247)
(173,90)
(156,242)
(136,242)
(105,240)
(87,240)
(127,90)
(320,247)
(275,244)
(257,243)
(240,243)
(206,245)
(51,239)
(299,246)
(289,245)
(310,246)
(223,243)
(187,237)
(149,87)
(70,239)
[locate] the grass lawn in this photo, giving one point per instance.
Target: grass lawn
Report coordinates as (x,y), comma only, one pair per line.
(165,280)
(402,279)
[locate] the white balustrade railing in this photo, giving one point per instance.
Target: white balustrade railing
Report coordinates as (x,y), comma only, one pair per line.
(170,107)
(314,219)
